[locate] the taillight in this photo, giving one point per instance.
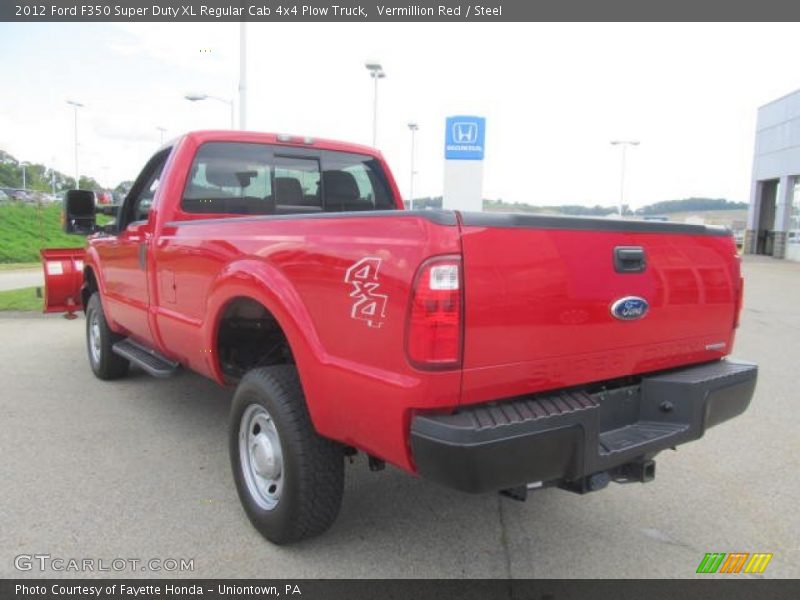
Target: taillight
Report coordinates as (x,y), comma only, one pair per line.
(738,308)
(434,334)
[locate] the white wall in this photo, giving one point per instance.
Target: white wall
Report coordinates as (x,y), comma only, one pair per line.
(777,156)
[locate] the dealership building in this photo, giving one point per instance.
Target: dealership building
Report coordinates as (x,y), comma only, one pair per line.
(773,219)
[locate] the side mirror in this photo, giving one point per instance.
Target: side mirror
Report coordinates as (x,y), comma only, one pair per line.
(79,212)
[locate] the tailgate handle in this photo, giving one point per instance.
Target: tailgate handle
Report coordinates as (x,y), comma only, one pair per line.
(629,259)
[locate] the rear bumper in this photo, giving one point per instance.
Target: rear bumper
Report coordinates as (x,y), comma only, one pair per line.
(567,436)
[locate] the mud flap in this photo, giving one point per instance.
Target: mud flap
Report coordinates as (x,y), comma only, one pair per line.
(63,278)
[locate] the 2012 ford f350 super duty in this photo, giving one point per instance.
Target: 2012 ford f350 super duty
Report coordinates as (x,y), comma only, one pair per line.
(487,352)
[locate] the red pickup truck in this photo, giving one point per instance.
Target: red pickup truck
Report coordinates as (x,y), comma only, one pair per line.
(487,352)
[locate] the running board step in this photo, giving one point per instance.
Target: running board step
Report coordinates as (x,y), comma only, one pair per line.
(148,359)
(637,434)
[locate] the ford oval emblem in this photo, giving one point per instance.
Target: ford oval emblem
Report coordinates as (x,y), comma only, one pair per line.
(629,308)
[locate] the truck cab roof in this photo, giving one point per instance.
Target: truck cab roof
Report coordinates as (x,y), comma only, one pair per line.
(281,139)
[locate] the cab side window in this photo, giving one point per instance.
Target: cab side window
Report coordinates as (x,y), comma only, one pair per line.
(230,178)
(142,196)
(144,202)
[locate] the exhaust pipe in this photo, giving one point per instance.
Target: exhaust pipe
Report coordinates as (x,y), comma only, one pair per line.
(590,483)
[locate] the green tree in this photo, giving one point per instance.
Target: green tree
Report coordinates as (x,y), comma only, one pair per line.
(38,177)
(689,204)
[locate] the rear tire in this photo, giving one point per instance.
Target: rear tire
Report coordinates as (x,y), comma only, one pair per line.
(99,338)
(289,479)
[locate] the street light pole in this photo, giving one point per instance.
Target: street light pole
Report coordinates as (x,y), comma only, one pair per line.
(76,105)
(624,144)
(24,176)
(161,131)
(53,175)
(376,72)
(413,128)
(196,97)
(242,77)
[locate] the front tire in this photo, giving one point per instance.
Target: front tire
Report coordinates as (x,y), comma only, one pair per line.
(289,479)
(99,338)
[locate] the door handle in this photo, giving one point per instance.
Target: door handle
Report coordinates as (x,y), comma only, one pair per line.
(629,259)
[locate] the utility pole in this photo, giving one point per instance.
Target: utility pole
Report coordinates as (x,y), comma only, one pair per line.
(376,72)
(624,144)
(242,76)
(53,175)
(413,128)
(76,105)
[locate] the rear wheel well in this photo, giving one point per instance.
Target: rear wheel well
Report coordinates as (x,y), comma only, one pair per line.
(249,336)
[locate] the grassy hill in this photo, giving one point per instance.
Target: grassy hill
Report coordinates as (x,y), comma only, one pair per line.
(25,228)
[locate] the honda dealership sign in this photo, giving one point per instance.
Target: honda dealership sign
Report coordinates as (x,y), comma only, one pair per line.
(464,143)
(464,138)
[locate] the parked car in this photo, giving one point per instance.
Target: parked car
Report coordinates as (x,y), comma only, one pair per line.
(21,195)
(486,352)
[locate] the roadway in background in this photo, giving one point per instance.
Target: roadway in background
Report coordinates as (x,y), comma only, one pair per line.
(21,278)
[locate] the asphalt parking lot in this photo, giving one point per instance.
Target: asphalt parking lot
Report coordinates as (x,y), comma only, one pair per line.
(139,469)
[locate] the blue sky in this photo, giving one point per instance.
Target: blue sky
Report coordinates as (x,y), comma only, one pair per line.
(554,95)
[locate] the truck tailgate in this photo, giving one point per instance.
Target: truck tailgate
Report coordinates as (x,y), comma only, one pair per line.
(539,293)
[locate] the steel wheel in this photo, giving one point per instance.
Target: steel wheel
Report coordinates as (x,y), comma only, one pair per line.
(95,339)
(261,456)
(99,342)
(290,479)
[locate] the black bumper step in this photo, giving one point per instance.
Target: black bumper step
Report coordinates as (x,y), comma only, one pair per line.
(567,436)
(148,359)
(482,422)
(638,434)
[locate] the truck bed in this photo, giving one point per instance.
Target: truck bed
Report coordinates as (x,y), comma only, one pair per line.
(539,292)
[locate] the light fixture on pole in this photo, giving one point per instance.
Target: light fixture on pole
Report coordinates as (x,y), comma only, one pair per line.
(376,72)
(196,97)
(76,105)
(161,131)
(624,144)
(413,127)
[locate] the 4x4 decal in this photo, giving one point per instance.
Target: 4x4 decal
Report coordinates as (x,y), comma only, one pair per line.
(368,305)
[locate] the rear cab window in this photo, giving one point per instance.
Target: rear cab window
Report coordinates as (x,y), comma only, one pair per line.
(297,185)
(354,182)
(262,179)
